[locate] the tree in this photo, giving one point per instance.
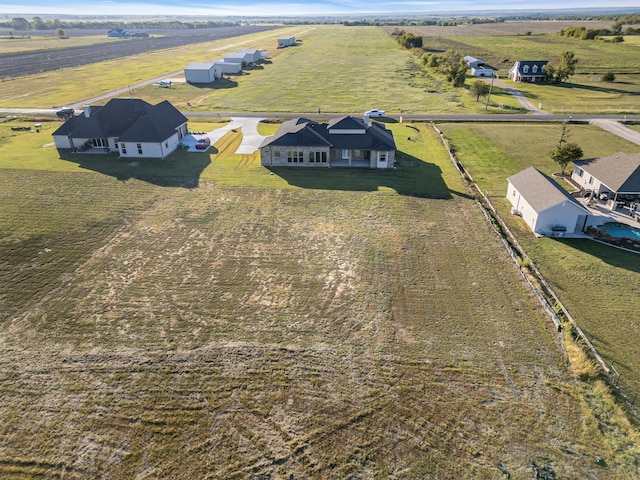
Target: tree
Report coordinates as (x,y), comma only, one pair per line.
(609,77)
(565,153)
(451,65)
(61,33)
(479,89)
(567,66)
(20,23)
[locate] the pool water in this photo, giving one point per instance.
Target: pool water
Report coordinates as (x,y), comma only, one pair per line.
(621,230)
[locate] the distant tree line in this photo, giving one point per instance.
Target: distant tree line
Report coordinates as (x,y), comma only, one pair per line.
(615,31)
(38,23)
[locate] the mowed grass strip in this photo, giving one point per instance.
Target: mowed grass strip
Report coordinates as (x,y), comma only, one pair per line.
(320,331)
(77,84)
(596,283)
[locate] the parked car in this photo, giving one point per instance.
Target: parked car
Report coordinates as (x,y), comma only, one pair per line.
(374,113)
(203,143)
(65,112)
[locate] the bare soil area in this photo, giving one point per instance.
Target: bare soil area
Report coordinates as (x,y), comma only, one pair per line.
(265,333)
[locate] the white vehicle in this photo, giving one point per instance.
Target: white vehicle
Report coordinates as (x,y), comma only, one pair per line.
(374,113)
(165,83)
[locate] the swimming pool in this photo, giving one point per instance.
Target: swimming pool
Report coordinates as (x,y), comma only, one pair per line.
(620,230)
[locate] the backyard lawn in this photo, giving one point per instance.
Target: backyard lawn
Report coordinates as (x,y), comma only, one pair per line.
(204,316)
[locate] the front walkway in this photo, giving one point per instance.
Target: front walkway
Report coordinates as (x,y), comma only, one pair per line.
(251,139)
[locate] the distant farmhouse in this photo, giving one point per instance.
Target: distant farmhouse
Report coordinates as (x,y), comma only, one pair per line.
(130,127)
(118,33)
(343,142)
(531,71)
(286,42)
(478,67)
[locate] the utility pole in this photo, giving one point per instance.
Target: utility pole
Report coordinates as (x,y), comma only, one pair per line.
(486,105)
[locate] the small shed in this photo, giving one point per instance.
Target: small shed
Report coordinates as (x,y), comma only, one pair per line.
(202,72)
(240,57)
(478,67)
(546,208)
(252,55)
(286,42)
(228,67)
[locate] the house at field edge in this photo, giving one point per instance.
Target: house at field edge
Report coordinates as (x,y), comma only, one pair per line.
(343,142)
(478,67)
(118,33)
(610,177)
(531,71)
(547,209)
(131,127)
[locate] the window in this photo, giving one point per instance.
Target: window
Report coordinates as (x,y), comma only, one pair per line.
(383,157)
(525,69)
(276,153)
(294,156)
(580,172)
(345,154)
(139,149)
(535,69)
(166,144)
(124,148)
(590,180)
(318,157)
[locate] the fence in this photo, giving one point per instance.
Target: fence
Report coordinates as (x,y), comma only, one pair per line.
(515,250)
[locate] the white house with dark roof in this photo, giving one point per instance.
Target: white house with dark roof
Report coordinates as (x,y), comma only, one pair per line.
(546,208)
(613,176)
(531,71)
(342,142)
(131,127)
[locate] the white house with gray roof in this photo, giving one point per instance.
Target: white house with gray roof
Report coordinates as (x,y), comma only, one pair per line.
(129,126)
(546,208)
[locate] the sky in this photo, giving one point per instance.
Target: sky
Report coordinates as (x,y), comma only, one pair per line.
(290,7)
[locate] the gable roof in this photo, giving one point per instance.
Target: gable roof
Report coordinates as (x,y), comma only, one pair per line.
(541,191)
(125,119)
(520,64)
(302,132)
(620,172)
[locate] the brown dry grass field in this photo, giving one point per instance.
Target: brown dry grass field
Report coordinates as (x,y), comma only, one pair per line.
(284,330)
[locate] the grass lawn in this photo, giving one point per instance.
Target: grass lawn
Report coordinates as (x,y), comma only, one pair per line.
(596,283)
(68,86)
(585,93)
(336,324)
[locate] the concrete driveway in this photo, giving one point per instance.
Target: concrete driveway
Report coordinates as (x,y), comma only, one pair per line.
(251,139)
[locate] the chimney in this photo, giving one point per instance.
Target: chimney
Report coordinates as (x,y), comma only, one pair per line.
(87,111)
(367,122)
